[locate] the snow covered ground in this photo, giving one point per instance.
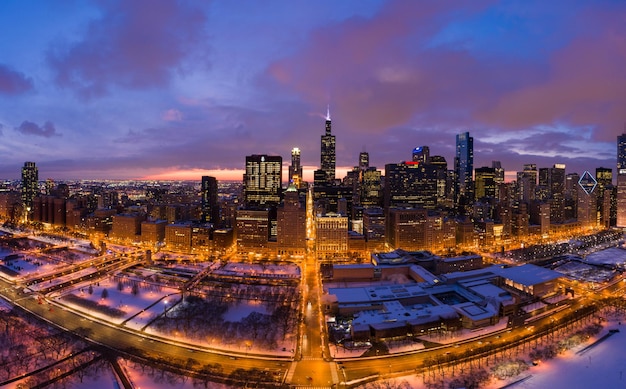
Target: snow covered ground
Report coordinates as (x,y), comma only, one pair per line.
(601,366)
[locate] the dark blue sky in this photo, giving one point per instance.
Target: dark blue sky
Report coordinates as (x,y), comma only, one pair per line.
(179,89)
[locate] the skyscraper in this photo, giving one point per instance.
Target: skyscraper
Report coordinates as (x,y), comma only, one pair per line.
(621,181)
(527,182)
(499,178)
(364,161)
(210,206)
(328,160)
(30,185)
(556,185)
(262,180)
(295,170)
(464,168)
(421,154)
(485,181)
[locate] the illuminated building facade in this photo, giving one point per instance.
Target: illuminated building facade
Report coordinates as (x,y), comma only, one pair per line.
(262,180)
(30,185)
(327,152)
(411,183)
(210,204)
(485,183)
(178,237)
(621,181)
(252,230)
(295,170)
(421,154)
(153,232)
(463,169)
(291,224)
(127,227)
(527,182)
(331,238)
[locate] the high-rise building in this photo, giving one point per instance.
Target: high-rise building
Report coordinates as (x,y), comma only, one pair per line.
(499,170)
(621,181)
(262,180)
(485,181)
(604,176)
(421,154)
(295,170)
(291,226)
(327,153)
(410,183)
(364,161)
(527,182)
(210,204)
(464,168)
(331,235)
(557,193)
(30,185)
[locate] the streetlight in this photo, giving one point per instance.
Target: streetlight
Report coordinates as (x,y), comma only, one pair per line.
(165,308)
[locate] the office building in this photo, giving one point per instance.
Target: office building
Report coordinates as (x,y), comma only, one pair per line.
(485,182)
(262,180)
(331,240)
(499,171)
(364,161)
(30,186)
(527,182)
(411,183)
(295,169)
(327,152)
(291,224)
(621,181)
(210,204)
(421,154)
(464,169)
(252,230)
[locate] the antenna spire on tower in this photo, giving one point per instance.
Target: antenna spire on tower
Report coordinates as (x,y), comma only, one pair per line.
(328,112)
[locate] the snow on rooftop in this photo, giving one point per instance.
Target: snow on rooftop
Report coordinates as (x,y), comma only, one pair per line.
(612,256)
(529,274)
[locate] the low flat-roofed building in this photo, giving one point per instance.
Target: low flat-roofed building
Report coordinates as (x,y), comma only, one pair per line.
(531,279)
(354,272)
(475,316)
(419,274)
(403,257)
(394,319)
(462,263)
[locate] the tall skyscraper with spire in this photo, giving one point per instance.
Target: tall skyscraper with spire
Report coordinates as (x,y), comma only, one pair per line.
(328,159)
(295,170)
(30,185)
(621,181)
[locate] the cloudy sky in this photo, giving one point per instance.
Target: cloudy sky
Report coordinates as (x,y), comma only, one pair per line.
(178,89)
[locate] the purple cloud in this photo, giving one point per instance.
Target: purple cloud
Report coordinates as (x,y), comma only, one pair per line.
(390,71)
(12,82)
(29,128)
(135,44)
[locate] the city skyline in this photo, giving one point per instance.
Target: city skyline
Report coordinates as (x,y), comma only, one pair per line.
(185,91)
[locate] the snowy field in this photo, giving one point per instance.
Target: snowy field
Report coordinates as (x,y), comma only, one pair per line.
(601,366)
(119,303)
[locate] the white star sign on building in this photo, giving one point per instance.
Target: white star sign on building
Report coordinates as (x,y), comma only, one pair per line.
(587,182)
